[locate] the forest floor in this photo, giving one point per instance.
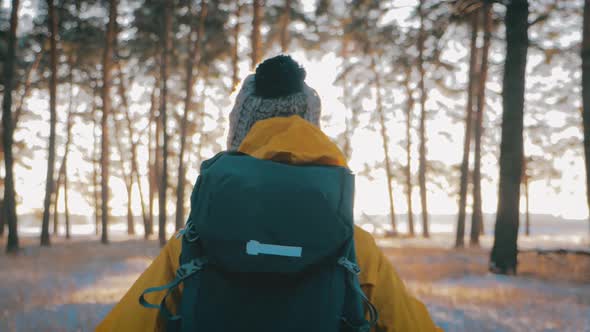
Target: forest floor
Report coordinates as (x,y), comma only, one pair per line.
(72,285)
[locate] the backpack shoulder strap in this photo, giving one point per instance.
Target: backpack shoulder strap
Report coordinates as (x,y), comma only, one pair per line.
(184,271)
(354,313)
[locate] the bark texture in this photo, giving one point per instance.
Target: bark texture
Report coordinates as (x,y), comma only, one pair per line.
(477,216)
(163,185)
(107,64)
(586,96)
(49,182)
(8,210)
(504,251)
(422,149)
(464,184)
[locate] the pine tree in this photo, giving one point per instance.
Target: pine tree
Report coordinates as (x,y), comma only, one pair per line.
(459,240)
(333,24)
(285,21)
(107,64)
(422,129)
(195,37)
(166,40)
(133,144)
(477,215)
(62,177)
(504,252)
(49,183)
(126,173)
(235,57)
(95,166)
(148,22)
(153,157)
(256,38)
(586,95)
(408,169)
(9,203)
(385,138)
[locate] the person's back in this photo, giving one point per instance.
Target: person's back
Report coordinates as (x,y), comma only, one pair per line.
(279,121)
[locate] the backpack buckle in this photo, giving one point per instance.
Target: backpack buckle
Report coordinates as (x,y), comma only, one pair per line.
(180,233)
(189,268)
(350,266)
(188,232)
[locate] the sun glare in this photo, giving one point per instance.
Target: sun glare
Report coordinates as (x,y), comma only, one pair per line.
(371,195)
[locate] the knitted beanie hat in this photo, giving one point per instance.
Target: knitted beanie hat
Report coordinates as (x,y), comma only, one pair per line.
(277,89)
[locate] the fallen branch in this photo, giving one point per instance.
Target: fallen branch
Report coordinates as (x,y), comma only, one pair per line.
(556,251)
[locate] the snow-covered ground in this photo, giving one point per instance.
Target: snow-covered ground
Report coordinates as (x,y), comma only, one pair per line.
(69,286)
(513,304)
(72,285)
(551,293)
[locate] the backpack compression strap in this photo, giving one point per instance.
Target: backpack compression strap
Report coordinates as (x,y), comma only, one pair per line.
(183,272)
(373,314)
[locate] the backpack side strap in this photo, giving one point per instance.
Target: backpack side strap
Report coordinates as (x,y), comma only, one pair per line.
(353,283)
(183,272)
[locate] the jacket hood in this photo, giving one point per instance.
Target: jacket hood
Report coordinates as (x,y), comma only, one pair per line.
(291,140)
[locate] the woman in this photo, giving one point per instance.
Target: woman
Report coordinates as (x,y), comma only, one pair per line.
(276,116)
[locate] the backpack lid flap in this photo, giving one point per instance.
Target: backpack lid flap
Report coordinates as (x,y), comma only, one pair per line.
(263,216)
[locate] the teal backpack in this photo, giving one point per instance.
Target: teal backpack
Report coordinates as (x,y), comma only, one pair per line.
(268,247)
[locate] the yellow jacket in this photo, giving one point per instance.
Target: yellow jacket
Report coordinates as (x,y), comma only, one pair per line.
(295,141)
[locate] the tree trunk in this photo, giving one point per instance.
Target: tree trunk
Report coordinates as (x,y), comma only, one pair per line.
(166,46)
(95,175)
(27,88)
(107,64)
(459,240)
(55,197)
(144,212)
(66,204)
(49,183)
(62,175)
(256,45)
(477,215)
(9,202)
(54,204)
(525,180)
(285,21)
(2,216)
(127,178)
(189,84)
(385,139)
(422,150)
(152,138)
(586,96)
(69,125)
(156,173)
(151,177)
(235,57)
(134,173)
(408,168)
(130,221)
(504,252)
(348,120)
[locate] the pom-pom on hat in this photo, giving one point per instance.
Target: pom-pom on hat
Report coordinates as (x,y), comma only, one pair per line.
(279,77)
(277,89)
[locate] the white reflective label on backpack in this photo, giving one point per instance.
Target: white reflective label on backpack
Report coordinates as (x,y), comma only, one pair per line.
(254,248)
